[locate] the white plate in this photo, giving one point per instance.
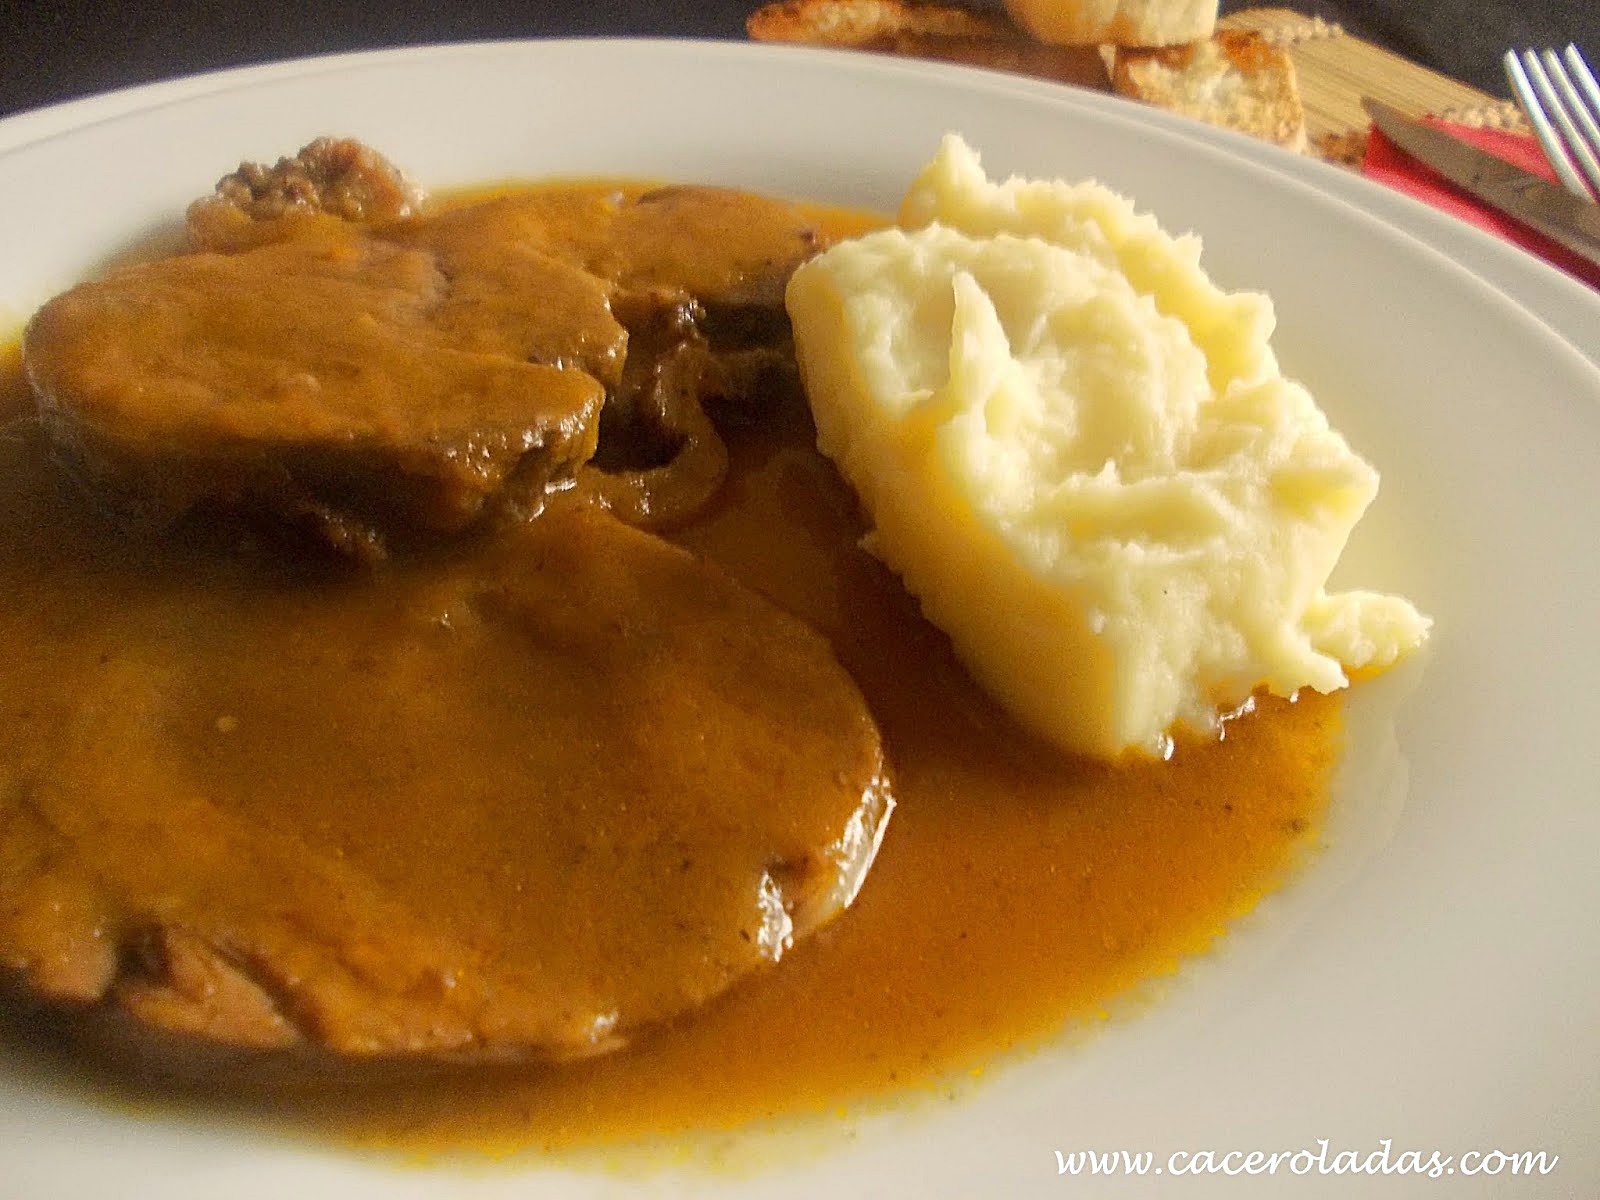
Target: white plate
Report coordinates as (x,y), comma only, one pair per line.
(1435,981)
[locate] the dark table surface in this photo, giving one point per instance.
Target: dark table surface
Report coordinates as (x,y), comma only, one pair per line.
(56,51)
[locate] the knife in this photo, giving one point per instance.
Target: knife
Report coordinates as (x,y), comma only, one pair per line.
(1537,203)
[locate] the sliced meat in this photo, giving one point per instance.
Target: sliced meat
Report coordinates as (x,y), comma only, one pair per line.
(368,373)
(525,798)
(310,376)
(731,250)
(725,248)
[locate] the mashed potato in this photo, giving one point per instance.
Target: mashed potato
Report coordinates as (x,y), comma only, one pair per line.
(1080,455)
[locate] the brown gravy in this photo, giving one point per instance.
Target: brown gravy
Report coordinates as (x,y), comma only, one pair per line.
(1018,891)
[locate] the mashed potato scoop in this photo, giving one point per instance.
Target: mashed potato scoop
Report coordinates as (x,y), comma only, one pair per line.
(1082,457)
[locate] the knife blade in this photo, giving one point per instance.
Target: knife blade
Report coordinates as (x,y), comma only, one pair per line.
(1536,202)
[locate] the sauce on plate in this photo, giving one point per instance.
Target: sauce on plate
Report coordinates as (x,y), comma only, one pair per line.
(1017,891)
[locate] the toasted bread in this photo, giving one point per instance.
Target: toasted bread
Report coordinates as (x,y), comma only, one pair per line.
(1235,79)
(1115,22)
(859,22)
(946,32)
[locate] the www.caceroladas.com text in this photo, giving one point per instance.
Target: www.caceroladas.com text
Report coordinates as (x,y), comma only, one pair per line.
(1320,1159)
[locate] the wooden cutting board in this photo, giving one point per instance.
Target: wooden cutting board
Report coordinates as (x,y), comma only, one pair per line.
(1336,69)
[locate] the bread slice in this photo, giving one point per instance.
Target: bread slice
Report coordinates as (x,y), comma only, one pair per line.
(1235,79)
(1115,22)
(858,22)
(946,32)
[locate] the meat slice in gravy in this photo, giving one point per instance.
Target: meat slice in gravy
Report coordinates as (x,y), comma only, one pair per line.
(728,249)
(523,796)
(522,790)
(334,357)
(309,376)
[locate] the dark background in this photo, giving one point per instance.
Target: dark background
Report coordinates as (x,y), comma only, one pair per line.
(55,51)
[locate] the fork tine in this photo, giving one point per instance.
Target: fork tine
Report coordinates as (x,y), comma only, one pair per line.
(1554,151)
(1583,135)
(1579,70)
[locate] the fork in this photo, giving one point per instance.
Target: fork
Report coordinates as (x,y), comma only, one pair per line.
(1563,105)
